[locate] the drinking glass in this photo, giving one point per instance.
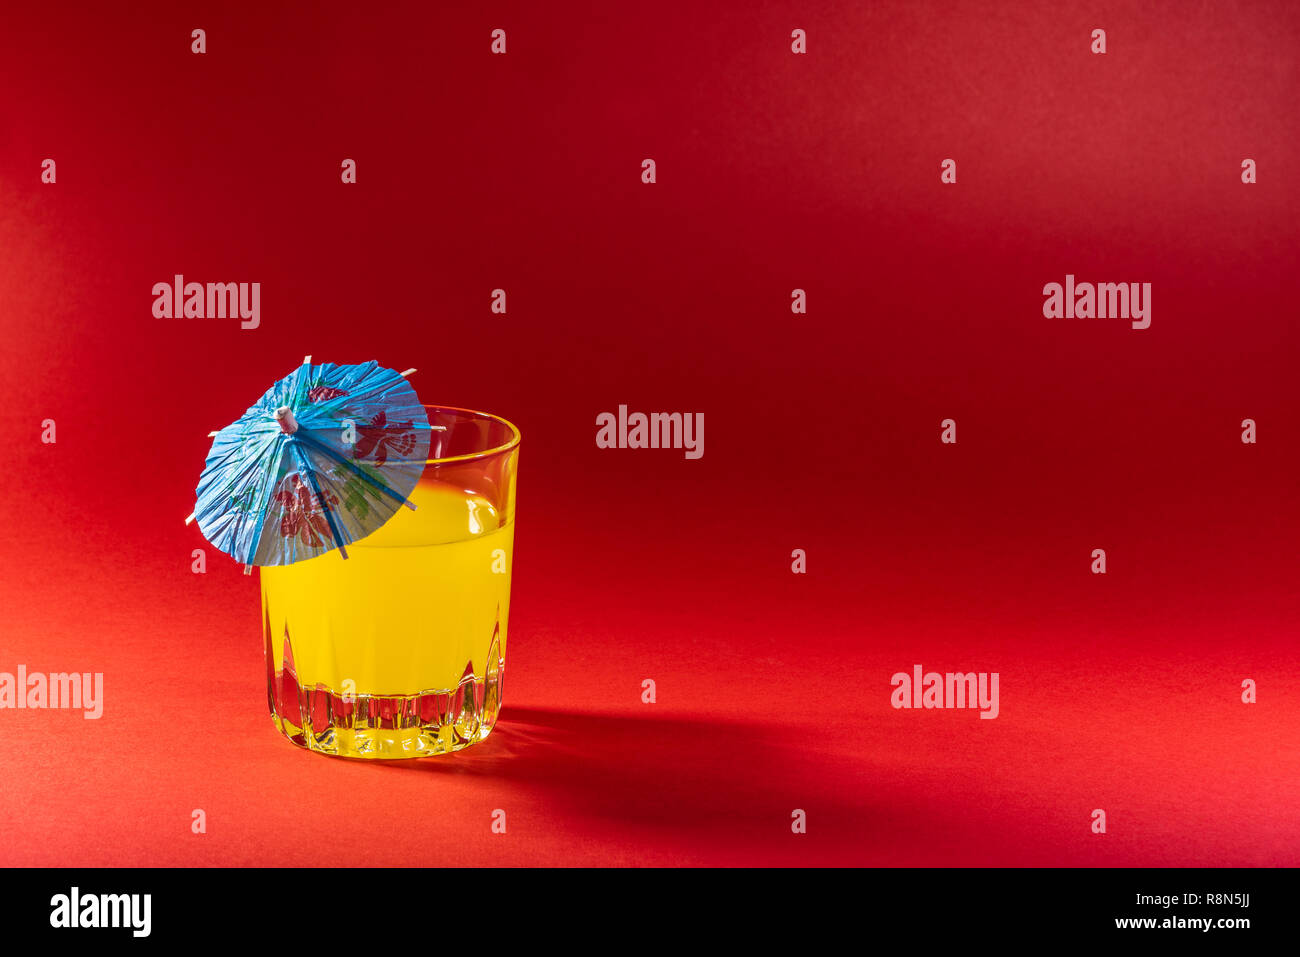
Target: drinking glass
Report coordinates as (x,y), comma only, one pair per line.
(399,650)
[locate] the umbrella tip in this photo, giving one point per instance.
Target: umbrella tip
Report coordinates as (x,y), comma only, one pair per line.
(284,415)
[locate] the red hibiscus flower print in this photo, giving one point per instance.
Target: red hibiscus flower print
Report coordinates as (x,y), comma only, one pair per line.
(303,516)
(319,393)
(380,438)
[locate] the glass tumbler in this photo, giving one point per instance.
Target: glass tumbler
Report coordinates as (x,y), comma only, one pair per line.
(399,650)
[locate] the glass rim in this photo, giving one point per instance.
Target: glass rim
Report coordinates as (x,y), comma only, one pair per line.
(513,443)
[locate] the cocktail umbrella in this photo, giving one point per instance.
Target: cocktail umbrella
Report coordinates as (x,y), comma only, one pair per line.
(324,458)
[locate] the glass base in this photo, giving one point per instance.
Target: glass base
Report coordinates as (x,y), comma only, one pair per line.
(419,725)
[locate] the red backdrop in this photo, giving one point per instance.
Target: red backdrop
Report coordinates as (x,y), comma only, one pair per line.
(775,171)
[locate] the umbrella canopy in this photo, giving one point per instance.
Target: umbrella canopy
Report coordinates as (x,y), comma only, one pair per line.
(324,458)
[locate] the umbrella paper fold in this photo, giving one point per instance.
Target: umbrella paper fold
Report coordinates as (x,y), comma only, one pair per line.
(324,458)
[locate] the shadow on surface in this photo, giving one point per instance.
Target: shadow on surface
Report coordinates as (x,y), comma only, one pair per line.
(710,783)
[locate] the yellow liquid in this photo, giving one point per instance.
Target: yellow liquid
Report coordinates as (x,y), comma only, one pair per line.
(399,650)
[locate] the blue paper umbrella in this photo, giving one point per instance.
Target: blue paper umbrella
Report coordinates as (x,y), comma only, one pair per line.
(329,454)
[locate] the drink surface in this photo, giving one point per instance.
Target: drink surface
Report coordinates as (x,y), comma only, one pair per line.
(414,606)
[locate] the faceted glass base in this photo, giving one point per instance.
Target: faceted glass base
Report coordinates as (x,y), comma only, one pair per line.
(355,725)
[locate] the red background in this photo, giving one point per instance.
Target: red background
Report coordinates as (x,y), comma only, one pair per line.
(775,172)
